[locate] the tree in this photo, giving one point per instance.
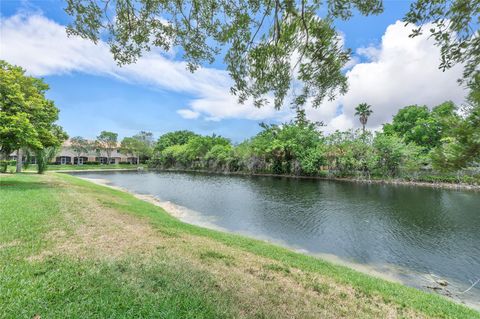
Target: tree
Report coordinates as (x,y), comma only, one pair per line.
(453,24)
(131,146)
(219,156)
(144,145)
(268,46)
(393,153)
(348,153)
(107,141)
(285,147)
(173,138)
(140,146)
(44,156)
(363,111)
(421,126)
(27,117)
(79,146)
(198,146)
(460,146)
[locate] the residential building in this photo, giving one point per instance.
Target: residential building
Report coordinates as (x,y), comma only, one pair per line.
(67,156)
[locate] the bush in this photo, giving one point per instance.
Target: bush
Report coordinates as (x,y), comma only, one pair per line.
(124,163)
(3,166)
(322,174)
(92,163)
(5,163)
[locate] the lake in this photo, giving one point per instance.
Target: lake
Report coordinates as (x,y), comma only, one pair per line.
(412,234)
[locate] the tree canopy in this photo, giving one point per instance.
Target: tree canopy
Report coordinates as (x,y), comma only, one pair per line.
(27,117)
(419,144)
(107,141)
(80,145)
(421,126)
(173,138)
(140,145)
(460,144)
(270,47)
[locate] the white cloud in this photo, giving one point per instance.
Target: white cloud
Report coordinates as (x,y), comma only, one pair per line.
(399,72)
(188,114)
(372,53)
(41,46)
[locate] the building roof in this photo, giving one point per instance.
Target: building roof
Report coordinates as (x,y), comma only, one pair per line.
(68,143)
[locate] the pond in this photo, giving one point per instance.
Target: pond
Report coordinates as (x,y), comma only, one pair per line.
(413,234)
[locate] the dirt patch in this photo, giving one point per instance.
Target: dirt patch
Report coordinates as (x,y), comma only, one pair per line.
(10,244)
(92,230)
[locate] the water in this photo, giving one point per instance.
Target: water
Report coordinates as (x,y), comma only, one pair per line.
(403,230)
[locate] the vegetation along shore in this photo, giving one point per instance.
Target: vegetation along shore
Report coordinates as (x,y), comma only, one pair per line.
(392,181)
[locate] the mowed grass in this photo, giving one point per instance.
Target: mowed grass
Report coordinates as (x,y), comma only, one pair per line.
(33,167)
(70,248)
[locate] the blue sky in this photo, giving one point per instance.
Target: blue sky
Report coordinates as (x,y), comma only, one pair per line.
(388,71)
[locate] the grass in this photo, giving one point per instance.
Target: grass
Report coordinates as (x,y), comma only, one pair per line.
(33,167)
(70,248)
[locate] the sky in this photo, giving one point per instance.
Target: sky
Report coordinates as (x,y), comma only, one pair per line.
(388,70)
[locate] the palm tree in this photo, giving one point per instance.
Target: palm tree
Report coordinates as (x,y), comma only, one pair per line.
(363,111)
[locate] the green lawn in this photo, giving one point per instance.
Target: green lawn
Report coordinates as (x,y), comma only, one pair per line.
(33,167)
(73,249)
(89,166)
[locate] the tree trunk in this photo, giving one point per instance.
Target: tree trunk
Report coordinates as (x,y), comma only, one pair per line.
(19,160)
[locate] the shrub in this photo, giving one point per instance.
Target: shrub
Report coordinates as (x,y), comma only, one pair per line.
(3,166)
(92,163)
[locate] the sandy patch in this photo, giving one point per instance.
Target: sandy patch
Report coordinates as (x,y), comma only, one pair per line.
(12,243)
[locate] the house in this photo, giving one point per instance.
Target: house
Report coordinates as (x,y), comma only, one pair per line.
(67,156)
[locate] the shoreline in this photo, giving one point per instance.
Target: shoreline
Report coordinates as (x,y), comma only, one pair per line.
(401,182)
(97,170)
(424,282)
(440,185)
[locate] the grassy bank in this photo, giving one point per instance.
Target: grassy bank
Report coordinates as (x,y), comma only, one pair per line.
(70,248)
(33,167)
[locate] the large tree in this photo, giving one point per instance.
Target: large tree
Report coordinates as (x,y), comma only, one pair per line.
(27,117)
(107,142)
(460,147)
(269,46)
(173,138)
(421,126)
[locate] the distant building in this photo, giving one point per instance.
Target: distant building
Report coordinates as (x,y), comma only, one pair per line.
(67,156)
